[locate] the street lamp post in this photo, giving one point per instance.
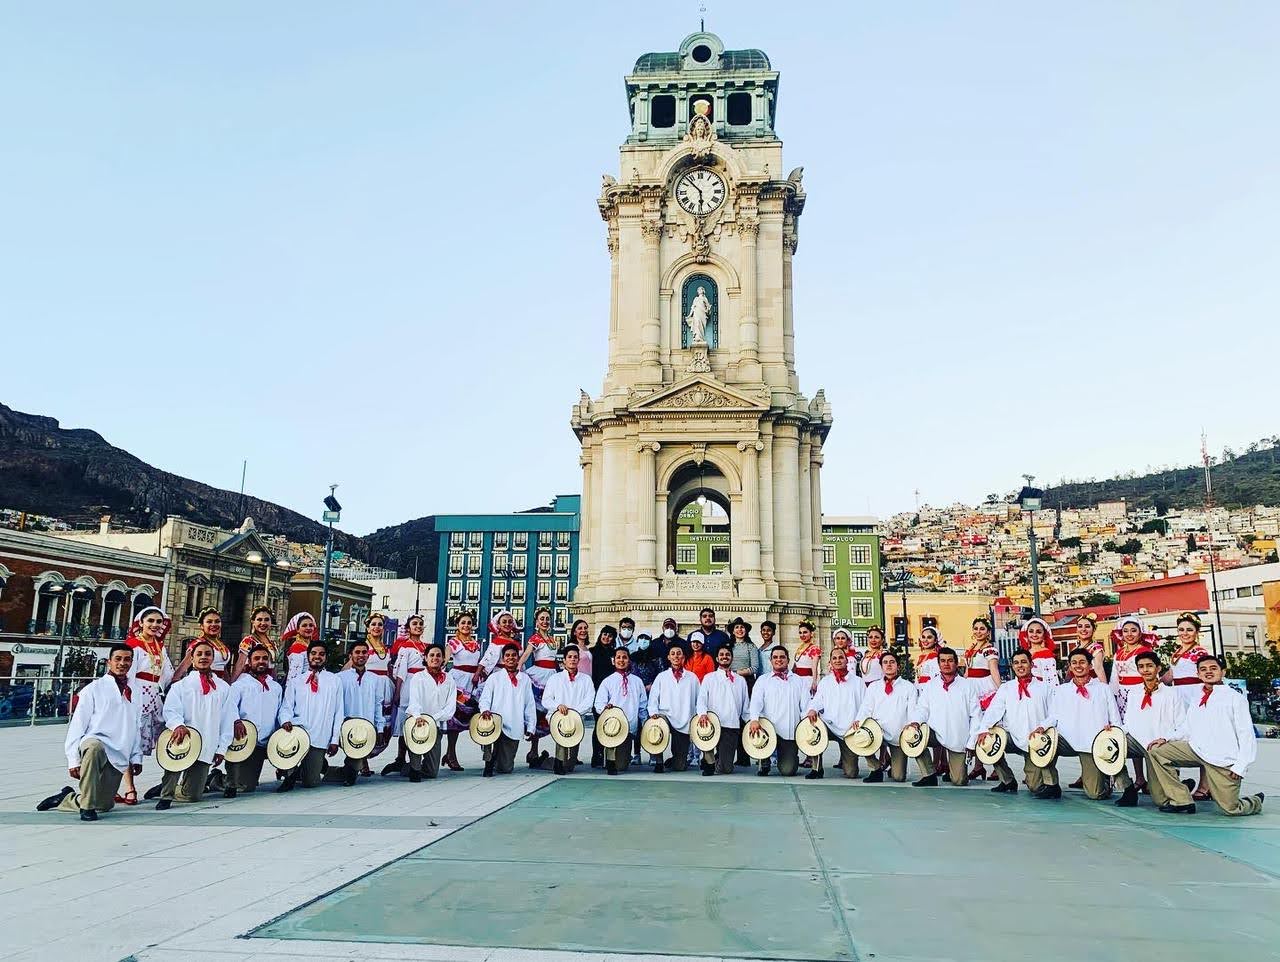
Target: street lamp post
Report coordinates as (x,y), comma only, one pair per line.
(66,622)
(332,513)
(1030,499)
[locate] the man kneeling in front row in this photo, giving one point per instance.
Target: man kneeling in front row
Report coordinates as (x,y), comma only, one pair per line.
(103,740)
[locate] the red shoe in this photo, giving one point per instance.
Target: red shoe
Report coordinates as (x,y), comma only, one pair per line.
(128,798)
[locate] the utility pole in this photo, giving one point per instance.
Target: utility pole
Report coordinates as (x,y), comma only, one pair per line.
(1030,500)
(1221,642)
(417,585)
(331,514)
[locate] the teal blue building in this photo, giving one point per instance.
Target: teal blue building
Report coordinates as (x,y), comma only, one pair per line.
(521,561)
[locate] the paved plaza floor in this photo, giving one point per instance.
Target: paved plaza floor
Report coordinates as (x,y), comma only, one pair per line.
(585,868)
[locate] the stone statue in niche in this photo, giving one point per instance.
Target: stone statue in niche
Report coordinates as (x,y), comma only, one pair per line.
(700,320)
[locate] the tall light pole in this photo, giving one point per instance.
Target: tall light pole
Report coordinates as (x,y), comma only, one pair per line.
(67,611)
(332,512)
(1030,500)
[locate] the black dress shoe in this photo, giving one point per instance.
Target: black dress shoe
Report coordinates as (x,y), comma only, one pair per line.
(659,769)
(152,793)
(929,781)
(873,776)
(1048,791)
(764,767)
(1190,783)
(1128,798)
(163,805)
(229,792)
(708,770)
(88,815)
(813,775)
(597,761)
(1171,809)
(53,801)
(392,768)
(946,776)
(413,776)
(349,778)
(1005,788)
(558,767)
(488,769)
(611,769)
(287,784)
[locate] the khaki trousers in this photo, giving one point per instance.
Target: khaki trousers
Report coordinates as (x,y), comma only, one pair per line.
(99,781)
(727,750)
(956,766)
(428,764)
(897,763)
(1036,778)
(186,786)
(245,775)
(569,756)
(1096,785)
(1167,758)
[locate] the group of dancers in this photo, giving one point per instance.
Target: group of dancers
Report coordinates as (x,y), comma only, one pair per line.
(716,698)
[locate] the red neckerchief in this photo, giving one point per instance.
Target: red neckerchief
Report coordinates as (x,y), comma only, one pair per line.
(1146,696)
(1204,699)
(677,673)
(1024,688)
(513,674)
(946,685)
(728,673)
(840,675)
(123,685)
(1082,690)
(437,675)
(206,682)
(314,681)
(470,643)
(1044,653)
(261,680)
(573,674)
(626,680)
(888,686)
(780,674)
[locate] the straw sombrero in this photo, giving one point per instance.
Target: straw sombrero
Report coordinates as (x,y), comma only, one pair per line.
(762,744)
(913,741)
(287,749)
(705,737)
(611,727)
(485,732)
(993,748)
(420,739)
(241,748)
(1110,749)
(1043,748)
(357,737)
(655,736)
(811,739)
(866,739)
(173,757)
(566,730)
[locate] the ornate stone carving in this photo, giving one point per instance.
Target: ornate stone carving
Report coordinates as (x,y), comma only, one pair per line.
(651,227)
(701,134)
(749,226)
(698,396)
(700,361)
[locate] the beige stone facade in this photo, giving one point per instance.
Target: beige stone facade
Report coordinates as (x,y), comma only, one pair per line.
(702,207)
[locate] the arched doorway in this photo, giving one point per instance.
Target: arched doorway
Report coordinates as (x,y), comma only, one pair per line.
(699,535)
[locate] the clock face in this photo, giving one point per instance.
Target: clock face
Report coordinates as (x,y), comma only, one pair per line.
(700,191)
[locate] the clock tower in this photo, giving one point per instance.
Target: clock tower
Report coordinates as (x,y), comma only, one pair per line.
(701,400)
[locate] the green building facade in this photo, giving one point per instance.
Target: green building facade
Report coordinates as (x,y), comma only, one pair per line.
(851,561)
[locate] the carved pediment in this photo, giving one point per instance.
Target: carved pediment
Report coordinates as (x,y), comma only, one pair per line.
(701,394)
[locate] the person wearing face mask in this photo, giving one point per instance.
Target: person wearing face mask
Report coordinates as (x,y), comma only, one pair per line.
(671,633)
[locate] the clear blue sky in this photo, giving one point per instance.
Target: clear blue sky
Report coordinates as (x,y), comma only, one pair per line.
(359,243)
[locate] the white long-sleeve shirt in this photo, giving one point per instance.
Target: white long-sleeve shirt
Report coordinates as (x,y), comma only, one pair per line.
(213,715)
(578,693)
(1021,714)
(513,702)
(626,692)
(319,712)
(1164,718)
(891,709)
(102,712)
(439,699)
(724,693)
(675,700)
(839,703)
(952,712)
(1221,730)
(1079,719)
(366,696)
(781,700)
(257,704)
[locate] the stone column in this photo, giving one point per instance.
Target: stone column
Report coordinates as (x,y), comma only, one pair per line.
(815,502)
(786,510)
(612,242)
(752,584)
(766,509)
(651,328)
(806,519)
(789,241)
(646,582)
(584,531)
(749,327)
(609,548)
